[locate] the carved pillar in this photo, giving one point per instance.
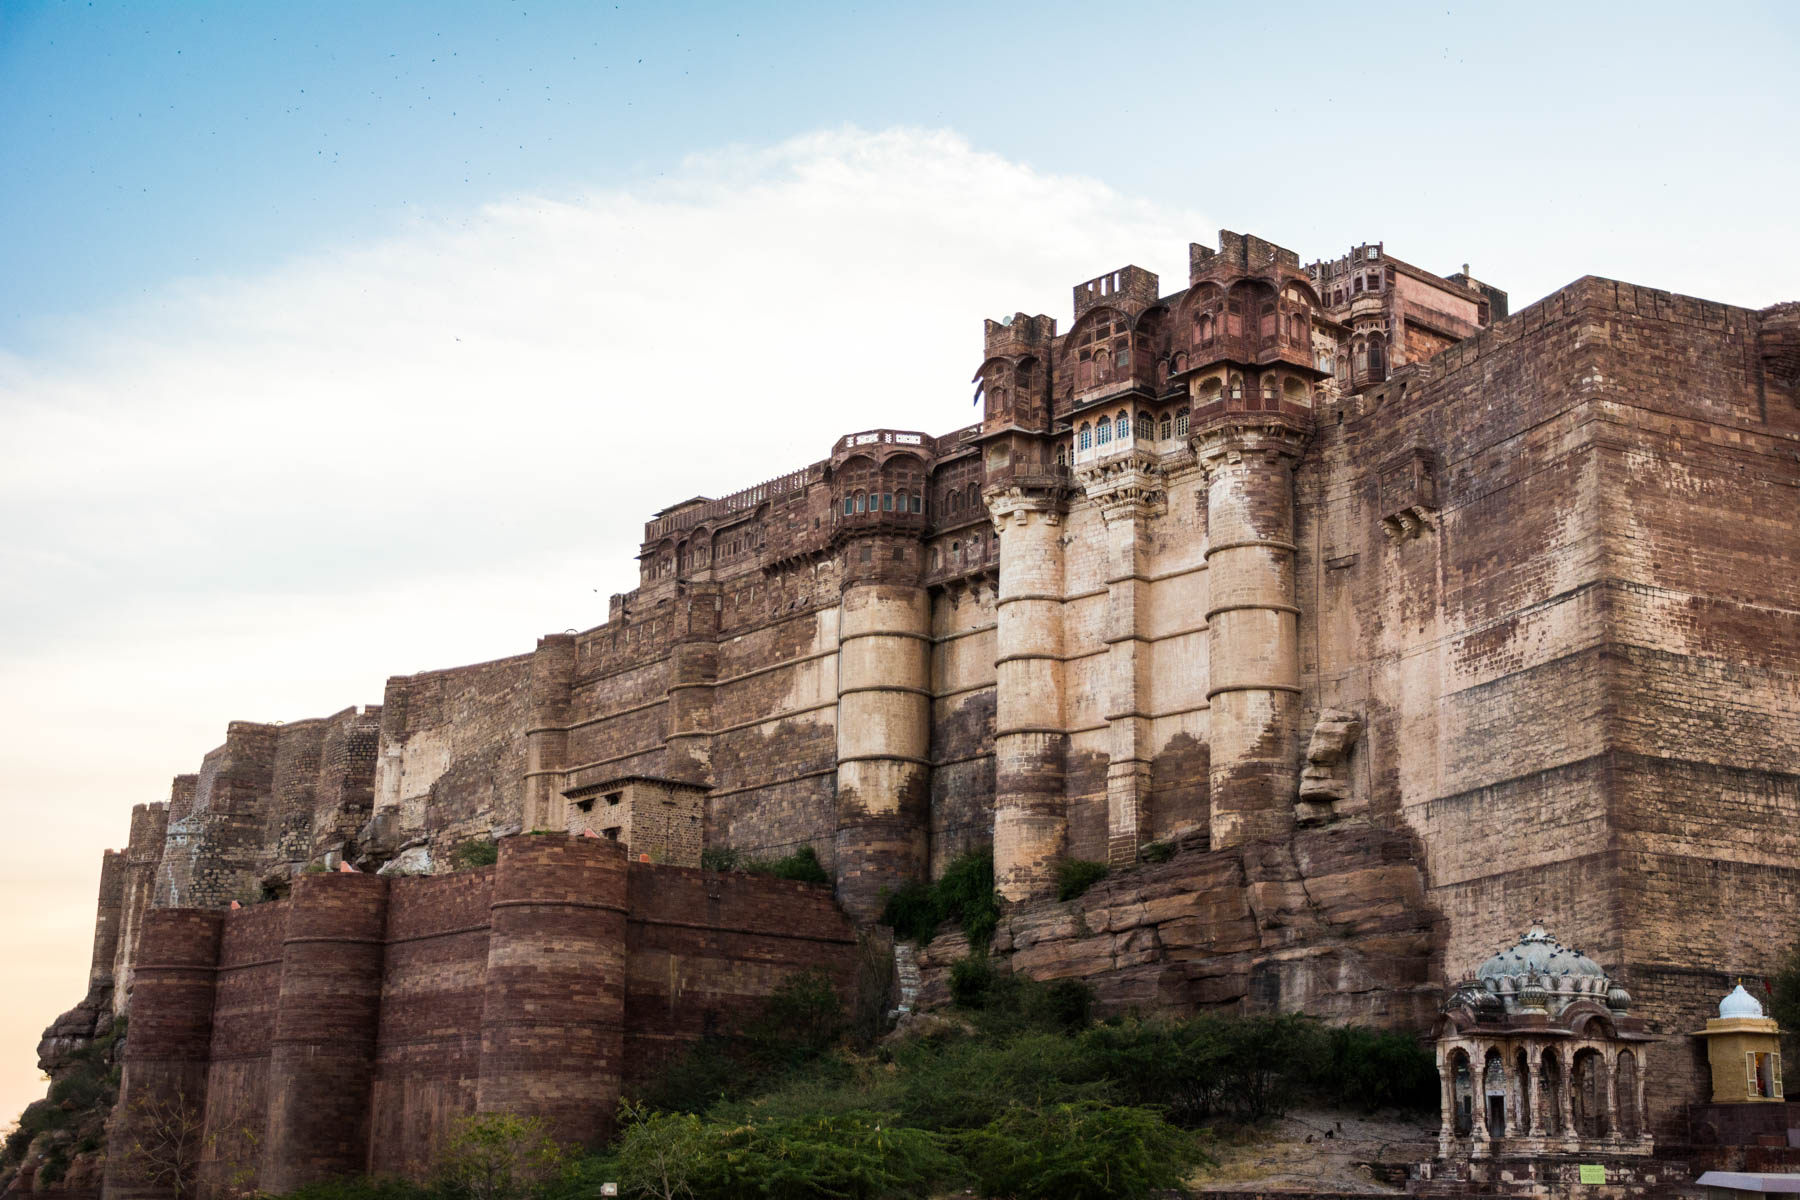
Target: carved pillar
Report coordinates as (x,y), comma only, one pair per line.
(1565,1059)
(1128,491)
(1643,1110)
(1611,1059)
(1031,821)
(1253,631)
(547,732)
(1478,1129)
(1446,1102)
(1535,1068)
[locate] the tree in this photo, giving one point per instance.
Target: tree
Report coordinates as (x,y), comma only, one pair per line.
(1784,1006)
(658,1152)
(166,1135)
(499,1156)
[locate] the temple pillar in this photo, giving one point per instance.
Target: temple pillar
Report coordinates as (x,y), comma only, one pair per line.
(1535,1069)
(1611,1059)
(1446,1103)
(1565,1058)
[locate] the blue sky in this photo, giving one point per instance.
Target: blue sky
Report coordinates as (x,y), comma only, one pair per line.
(341,340)
(147,141)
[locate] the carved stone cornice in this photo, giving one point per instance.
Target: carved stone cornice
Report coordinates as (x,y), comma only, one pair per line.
(1013,505)
(1125,485)
(1275,442)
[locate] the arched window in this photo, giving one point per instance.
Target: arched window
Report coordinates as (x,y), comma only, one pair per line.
(1237,387)
(1268,392)
(1084,437)
(1122,427)
(1362,358)
(859,502)
(974,495)
(1377,358)
(1181,423)
(1210,390)
(1103,432)
(1293,391)
(1297,329)
(1145,430)
(887,502)
(1206,328)
(1062,456)
(1165,427)
(916,501)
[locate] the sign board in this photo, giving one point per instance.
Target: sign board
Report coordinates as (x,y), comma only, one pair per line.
(1592,1173)
(609,1189)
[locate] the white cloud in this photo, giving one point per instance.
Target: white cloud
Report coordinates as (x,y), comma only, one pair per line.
(258,497)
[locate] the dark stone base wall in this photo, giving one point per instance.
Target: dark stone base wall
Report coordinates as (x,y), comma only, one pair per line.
(347,1028)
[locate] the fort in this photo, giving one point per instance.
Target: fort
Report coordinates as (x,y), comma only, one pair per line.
(1394,621)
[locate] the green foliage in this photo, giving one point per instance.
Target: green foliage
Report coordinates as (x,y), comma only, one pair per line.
(848,1156)
(499,1156)
(1157,852)
(1008,1002)
(1076,875)
(1084,1150)
(1379,1068)
(798,1022)
(56,1165)
(802,866)
(314,868)
(481,852)
(963,894)
(719,858)
(1784,1006)
(361,1187)
(78,1101)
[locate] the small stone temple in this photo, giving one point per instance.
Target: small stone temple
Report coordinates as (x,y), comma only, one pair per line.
(1537,1054)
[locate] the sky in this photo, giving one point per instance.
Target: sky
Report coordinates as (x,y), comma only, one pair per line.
(344,340)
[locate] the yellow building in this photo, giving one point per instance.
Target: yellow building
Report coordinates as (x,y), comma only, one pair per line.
(1744,1047)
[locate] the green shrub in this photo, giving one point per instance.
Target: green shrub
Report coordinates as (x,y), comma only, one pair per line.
(1080,1151)
(799,1021)
(1157,852)
(1784,1006)
(55,1166)
(1383,1068)
(1076,875)
(972,981)
(848,1156)
(360,1187)
(911,912)
(796,1024)
(1012,1003)
(498,1156)
(482,852)
(719,858)
(802,866)
(963,894)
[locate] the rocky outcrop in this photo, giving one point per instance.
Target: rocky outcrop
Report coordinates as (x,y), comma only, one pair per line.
(1334,923)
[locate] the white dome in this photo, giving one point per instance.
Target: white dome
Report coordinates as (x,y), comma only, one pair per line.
(1739,1004)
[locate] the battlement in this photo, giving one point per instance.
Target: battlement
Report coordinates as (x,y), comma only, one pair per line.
(1240,252)
(1018,335)
(1130,288)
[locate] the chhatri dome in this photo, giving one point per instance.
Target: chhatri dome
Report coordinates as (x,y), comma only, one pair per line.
(1540,974)
(1738,1004)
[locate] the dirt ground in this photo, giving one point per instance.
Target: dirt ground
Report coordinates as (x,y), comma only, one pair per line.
(1318,1150)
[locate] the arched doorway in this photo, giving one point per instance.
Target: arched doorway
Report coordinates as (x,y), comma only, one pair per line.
(1550,1067)
(1462,1094)
(1494,1097)
(1625,1095)
(1588,1091)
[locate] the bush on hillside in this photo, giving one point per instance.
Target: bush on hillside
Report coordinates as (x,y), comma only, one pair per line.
(1076,875)
(1080,1151)
(964,894)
